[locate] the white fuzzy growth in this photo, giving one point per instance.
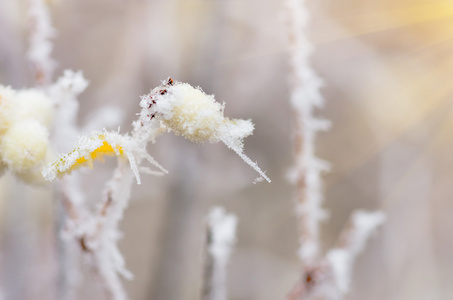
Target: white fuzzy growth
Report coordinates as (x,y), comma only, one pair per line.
(24,145)
(42,32)
(25,116)
(341,259)
(24,105)
(223,235)
(189,112)
(33,104)
(305,98)
(176,107)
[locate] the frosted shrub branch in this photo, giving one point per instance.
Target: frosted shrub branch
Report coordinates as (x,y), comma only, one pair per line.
(37,122)
(221,236)
(330,277)
(305,98)
(103,242)
(173,106)
(322,277)
(40,48)
(64,92)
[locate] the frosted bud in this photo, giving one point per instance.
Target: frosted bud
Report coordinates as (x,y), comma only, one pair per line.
(187,111)
(24,145)
(195,115)
(32,104)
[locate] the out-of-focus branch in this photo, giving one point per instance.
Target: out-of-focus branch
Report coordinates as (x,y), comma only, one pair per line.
(220,238)
(305,98)
(322,278)
(69,195)
(40,45)
(330,278)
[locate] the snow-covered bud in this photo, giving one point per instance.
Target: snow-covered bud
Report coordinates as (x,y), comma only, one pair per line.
(25,116)
(32,104)
(191,113)
(24,145)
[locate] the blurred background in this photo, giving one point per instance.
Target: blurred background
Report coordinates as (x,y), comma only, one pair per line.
(387,68)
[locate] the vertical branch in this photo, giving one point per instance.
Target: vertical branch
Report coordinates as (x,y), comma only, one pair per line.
(97,234)
(220,238)
(100,234)
(40,45)
(322,277)
(64,92)
(305,98)
(69,195)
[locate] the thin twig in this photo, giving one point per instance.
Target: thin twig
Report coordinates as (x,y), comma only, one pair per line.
(304,99)
(322,277)
(40,45)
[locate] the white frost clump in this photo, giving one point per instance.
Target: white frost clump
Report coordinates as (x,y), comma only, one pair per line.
(25,117)
(223,237)
(189,112)
(341,259)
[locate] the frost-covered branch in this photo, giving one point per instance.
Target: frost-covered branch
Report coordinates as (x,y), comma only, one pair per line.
(101,241)
(64,92)
(221,236)
(173,106)
(330,277)
(305,98)
(189,112)
(40,44)
(322,277)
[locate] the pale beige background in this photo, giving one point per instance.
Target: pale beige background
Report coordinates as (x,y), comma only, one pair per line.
(387,68)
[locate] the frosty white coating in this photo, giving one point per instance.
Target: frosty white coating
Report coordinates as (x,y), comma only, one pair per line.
(173,107)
